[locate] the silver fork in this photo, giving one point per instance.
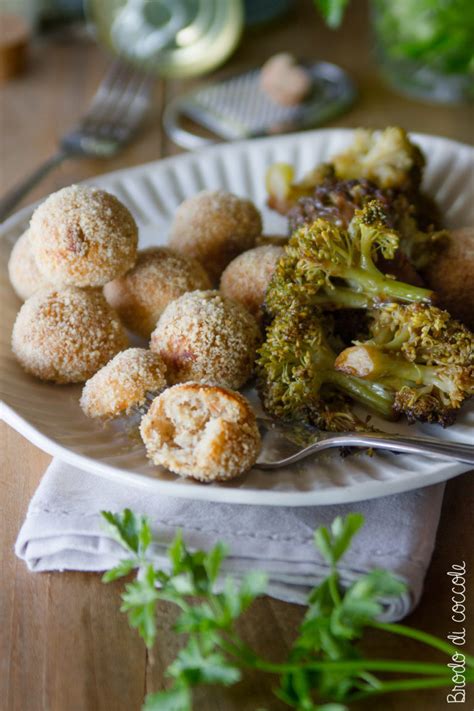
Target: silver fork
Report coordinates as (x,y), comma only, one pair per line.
(288,444)
(114,114)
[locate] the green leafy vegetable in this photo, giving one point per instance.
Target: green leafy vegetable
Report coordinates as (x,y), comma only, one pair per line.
(325,670)
(332,12)
(333,543)
(436,34)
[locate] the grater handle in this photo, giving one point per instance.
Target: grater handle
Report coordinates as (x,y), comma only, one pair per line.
(179,135)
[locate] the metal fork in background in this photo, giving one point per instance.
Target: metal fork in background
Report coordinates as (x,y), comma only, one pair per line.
(114,114)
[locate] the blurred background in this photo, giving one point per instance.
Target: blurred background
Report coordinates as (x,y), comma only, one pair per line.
(409,62)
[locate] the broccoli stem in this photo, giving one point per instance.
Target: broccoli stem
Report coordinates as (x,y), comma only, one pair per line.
(384,289)
(370,363)
(340,297)
(370,395)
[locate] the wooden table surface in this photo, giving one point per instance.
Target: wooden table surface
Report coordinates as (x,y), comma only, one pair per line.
(64,644)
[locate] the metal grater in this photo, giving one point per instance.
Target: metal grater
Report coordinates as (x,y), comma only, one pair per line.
(237,108)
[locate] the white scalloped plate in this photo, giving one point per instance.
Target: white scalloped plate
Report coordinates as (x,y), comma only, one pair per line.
(49,416)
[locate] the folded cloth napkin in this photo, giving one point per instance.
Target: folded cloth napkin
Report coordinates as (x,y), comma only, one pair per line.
(64,530)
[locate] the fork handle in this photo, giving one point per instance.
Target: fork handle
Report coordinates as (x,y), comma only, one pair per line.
(426,446)
(17,193)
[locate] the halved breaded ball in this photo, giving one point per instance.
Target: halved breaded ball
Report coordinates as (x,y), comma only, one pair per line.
(247,277)
(214,227)
(451,275)
(158,277)
(66,335)
(25,276)
(83,236)
(206,337)
(201,431)
(123,383)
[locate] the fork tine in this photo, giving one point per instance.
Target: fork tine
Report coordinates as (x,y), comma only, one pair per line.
(135,86)
(138,104)
(119,102)
(104,89)
(110,88)
(116,108)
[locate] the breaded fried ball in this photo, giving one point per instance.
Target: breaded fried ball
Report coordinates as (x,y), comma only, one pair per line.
(201,431)
(66,335)
(451,276)
(25,276)
(247,277)
(83,236)
(206,337)
(123,383)
(214,227)
(158,277)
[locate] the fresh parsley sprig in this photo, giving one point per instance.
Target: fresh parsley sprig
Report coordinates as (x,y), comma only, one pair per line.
(325,669)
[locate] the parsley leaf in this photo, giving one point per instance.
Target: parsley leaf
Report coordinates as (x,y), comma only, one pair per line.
(177,698)
(196,664)
(131,531)
(333,543)
(325,669)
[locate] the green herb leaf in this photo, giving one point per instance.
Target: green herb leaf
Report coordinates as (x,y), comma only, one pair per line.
(197,618)
(178,698)
(177,553)
(253,585)
(325,667)
(131,531)
(332,11)
(123,568)
(334,543)
(235,599)
(362,602)
(139,600)
(213,561)
(196,667)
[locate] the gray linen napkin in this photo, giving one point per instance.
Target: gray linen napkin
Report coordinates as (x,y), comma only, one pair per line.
(63,530)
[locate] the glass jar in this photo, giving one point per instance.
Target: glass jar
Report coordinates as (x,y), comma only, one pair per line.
(425,48)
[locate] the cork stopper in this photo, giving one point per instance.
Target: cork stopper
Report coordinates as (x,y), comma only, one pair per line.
(14,38)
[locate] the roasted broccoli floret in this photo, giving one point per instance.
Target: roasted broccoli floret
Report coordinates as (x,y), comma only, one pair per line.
(388,158)
(419,247)
(419,353)
(337,200)
(283,192)
(331,267)
(297,381)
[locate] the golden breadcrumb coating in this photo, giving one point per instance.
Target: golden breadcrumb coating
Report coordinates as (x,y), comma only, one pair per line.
(25,276)
(451,275)
(247,277)
(83,236)
(201,431)
(206,337)
(123,383)
(66,335)
(158,277)
(214,227)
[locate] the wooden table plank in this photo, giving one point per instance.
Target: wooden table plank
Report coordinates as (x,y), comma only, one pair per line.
(63,643)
